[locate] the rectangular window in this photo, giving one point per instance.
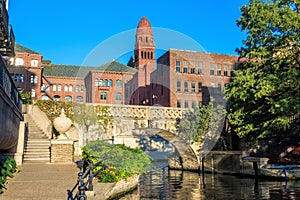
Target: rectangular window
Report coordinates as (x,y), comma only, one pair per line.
(185,67)
(192,70)
(59,88)
(186,86)
(31,79)
(192,67)
(178,104)
(193,86)
(212,69)
(199,86)
(200,68)
(178,66)
(118,96)
(194,104)
(178,83)
(54,88)
(77,88)
(103,96)
(186,104)
(231,70)
(225,70)
(219,69)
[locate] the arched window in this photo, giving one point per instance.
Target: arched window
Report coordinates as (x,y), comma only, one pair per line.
(110,83)
(66,88)
(118,83)
(54,88)
(105,82)
(70,88)
(59,87)
(19,61)
(34,63)
(45,97)
(81,88)
(101,82)
(77,88)
(142,54)
(96,82)
(56,97)
(68,98)
(79,99)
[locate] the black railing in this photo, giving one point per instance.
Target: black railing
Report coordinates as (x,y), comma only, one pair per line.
(10,90)
(85,181)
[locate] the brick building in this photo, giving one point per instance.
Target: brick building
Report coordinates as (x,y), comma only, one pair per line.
(26,70)
(179,78)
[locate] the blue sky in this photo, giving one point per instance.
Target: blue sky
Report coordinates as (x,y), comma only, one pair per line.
(67,31)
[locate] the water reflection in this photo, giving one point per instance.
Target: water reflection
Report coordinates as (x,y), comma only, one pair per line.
(168,184)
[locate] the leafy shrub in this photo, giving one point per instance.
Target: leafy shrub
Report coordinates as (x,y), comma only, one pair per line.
(8,166)
(122,161)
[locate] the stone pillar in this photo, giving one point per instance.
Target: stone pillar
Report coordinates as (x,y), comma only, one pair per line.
(62,151)
(18,150)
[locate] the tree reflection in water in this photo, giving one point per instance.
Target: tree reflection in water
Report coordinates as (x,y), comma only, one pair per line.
(170,184)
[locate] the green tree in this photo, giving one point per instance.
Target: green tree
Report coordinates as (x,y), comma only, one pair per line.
(194,123)
(264,93)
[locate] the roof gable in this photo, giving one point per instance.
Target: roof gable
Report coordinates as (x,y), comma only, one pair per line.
(23,49)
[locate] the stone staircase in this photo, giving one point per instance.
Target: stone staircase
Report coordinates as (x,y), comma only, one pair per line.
(37,148)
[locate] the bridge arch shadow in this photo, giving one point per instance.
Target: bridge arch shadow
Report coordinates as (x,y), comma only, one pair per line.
(162,146)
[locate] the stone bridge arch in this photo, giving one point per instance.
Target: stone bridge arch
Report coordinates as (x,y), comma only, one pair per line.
(161,121)
(183,156)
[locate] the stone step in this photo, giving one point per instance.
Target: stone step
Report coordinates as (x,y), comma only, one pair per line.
(36,156)
(37,160)
(35,141)
(42,152)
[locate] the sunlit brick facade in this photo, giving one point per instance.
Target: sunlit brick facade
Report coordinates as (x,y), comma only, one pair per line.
(179,78)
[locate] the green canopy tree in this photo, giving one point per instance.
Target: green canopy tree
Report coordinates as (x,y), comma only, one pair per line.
(264,94)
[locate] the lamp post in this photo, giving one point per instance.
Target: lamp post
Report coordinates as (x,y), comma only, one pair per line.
(87,125)
(153,98)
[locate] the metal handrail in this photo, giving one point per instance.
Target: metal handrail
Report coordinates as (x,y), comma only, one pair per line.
(81,184)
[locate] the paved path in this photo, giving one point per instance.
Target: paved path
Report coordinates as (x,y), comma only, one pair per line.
(41,181)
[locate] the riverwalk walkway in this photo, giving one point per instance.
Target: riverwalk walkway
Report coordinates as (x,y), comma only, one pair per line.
(41,181)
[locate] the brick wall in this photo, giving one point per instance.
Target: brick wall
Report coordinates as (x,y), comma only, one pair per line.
(61,151)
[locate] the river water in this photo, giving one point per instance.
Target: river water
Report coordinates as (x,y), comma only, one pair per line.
(176,185)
